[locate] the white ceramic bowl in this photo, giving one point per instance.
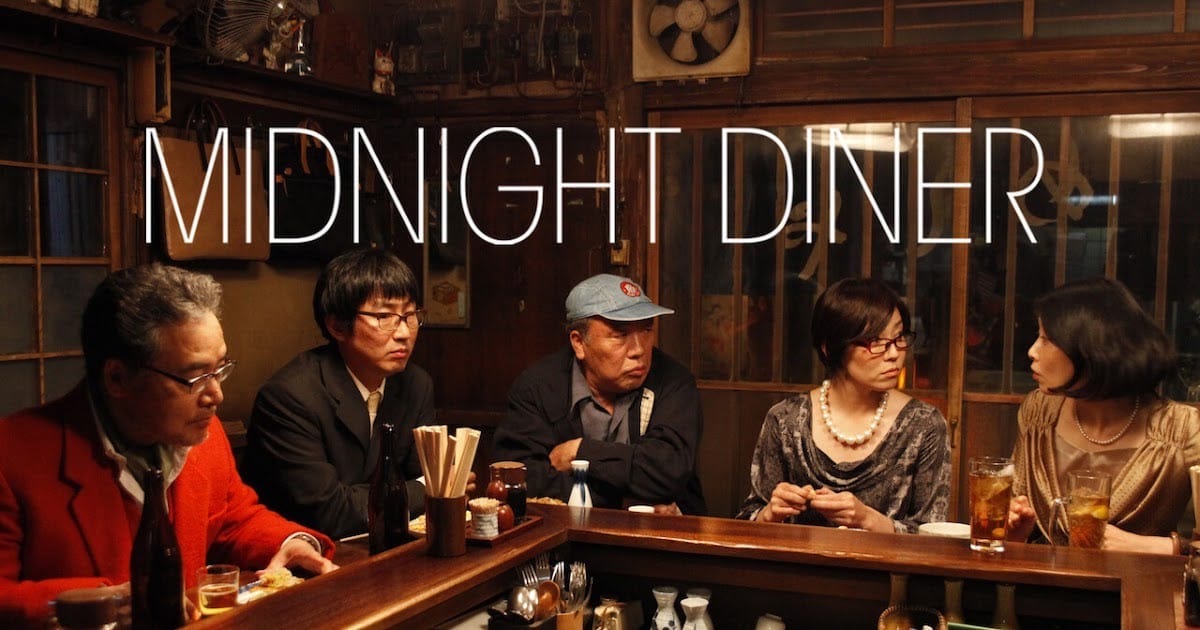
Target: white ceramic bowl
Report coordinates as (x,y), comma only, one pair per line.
(949,530)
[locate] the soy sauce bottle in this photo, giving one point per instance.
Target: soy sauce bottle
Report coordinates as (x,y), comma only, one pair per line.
(155,565)
(1191,590)
(387,502)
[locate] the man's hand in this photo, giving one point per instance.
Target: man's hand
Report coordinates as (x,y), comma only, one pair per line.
(1021,519)
(786,500)
(561,456)
(669,509)
(298,553)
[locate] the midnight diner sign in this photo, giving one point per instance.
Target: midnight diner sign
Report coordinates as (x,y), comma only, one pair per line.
(415,224)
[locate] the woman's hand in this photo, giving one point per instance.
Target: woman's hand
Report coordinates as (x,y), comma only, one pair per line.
(843,508)
(1021,519)
(786,500)
(1117,539)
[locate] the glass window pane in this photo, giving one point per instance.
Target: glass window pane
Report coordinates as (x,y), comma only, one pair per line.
(72,212)
(763,190)
(14,116)
(1183,267)
(675,239)
(66,291)
(796,25)
(70,123)
(18,385)
(17,319)
(716,277)
(948,21)
(62,375)
(1084,18)
(16,211)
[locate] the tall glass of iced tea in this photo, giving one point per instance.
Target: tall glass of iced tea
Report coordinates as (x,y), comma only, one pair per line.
(991,481)
(1086,505)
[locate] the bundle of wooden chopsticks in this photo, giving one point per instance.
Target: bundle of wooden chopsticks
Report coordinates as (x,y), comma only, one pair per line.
(445,460)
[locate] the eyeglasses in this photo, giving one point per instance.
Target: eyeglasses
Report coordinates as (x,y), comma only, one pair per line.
(880,346)
(197,384)
(389,322)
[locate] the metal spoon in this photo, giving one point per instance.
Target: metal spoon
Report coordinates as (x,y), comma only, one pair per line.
(548,597)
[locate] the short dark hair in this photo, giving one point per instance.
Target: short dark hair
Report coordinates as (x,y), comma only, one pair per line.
(850,310)
(354,277)
(1115,347)
(123,317)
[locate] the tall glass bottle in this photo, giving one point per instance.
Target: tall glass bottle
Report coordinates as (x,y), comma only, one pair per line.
(387,502)
(581,496)
(155,565)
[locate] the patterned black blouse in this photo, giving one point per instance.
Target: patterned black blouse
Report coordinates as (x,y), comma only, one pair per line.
(906,477)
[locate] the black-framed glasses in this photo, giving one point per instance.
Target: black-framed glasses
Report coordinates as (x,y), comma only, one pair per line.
(878,345)
(197,384)
(389,322)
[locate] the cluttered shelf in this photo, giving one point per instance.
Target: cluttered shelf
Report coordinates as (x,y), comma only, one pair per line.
(23,16)
(254,84)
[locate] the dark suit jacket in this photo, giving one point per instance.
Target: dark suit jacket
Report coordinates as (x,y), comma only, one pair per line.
(66,523)
(658,466)
(309,447)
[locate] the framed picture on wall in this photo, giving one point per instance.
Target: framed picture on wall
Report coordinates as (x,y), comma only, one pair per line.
(447,284)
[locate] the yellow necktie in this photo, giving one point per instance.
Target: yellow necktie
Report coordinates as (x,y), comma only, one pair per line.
(373,405)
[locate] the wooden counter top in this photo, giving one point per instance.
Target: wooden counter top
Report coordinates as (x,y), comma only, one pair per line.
(407,588)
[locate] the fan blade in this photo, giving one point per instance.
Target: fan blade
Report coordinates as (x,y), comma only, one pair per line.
(716,7)
(718,33)
(661,18)
(684,49)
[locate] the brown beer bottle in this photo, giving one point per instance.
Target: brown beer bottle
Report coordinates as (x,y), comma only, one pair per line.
(387,501)
(155,565)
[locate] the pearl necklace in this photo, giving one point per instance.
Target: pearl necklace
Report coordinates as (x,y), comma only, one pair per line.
(1137,404)
(849,440)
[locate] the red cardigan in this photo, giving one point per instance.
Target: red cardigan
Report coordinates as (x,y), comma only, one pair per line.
(65,522)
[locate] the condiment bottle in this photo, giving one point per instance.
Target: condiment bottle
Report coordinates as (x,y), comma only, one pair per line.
(155,565)
(580,495)
(1191,589)
(387,500)
(496,489)
(515,489)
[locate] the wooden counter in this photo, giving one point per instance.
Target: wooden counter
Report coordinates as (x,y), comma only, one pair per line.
(819,575)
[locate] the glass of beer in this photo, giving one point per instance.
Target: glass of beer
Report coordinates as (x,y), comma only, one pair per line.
(217,588)
(991,481)
(1086,505)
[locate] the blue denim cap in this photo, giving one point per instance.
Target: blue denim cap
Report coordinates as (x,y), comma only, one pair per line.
(611,297)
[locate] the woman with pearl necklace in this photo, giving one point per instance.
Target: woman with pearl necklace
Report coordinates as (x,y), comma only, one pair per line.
(854,452)
(1098,361)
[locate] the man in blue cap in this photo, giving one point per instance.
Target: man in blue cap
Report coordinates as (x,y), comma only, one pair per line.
(612,398)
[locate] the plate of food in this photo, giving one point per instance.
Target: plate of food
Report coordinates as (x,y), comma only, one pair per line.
(270,581)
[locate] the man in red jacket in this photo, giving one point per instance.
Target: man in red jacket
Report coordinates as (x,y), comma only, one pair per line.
(71,471)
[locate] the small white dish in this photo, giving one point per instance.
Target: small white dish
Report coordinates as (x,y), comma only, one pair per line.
(947,530)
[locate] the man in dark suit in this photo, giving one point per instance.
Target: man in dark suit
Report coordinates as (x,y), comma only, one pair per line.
(313,443)
(612,398)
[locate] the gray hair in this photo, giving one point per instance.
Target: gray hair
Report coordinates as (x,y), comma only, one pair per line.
(128,309)
(579,325)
